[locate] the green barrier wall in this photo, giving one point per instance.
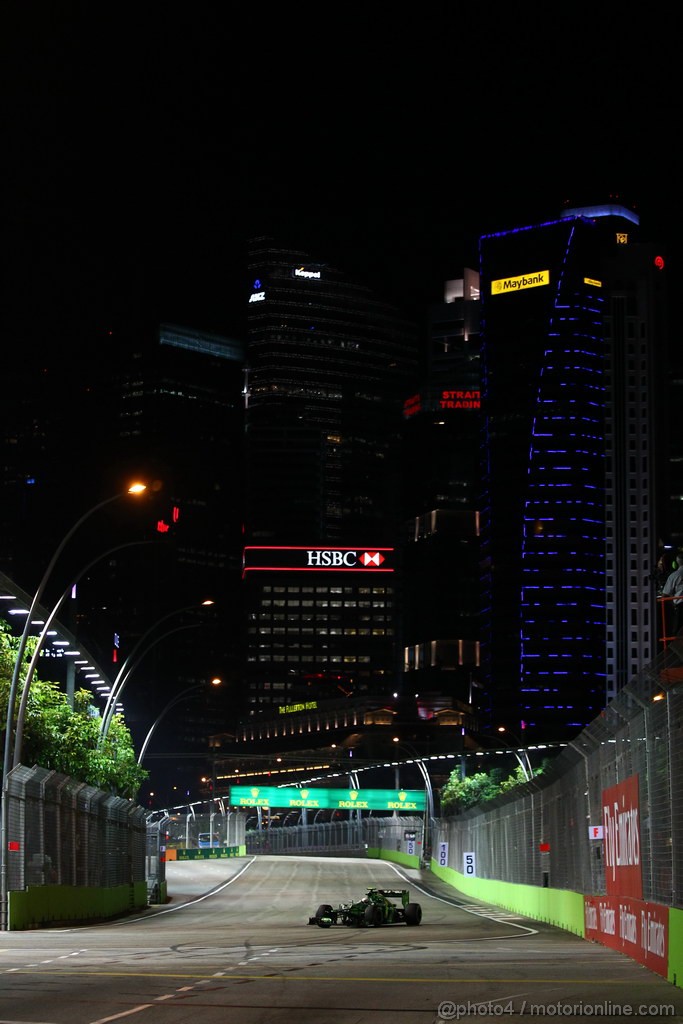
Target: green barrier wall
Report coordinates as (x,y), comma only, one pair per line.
(675,973)
(559,907)
(405,859)
(42,905)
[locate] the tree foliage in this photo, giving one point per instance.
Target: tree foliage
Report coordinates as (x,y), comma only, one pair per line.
(65,739)
(460,793)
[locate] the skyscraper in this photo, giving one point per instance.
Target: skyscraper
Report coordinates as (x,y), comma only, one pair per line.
(570,344)
(328,367)
(441,473)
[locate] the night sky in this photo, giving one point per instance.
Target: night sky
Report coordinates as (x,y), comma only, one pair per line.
(145,142)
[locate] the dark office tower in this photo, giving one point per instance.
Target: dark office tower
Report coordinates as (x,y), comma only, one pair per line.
(568,540)
(166,404)
(640,521)
(543,476)
(441,476)
(176,415)
(329,365)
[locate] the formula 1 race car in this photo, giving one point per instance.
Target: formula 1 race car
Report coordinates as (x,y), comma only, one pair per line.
(374,909)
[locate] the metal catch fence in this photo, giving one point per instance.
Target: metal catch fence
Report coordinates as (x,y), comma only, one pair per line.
(63,832)
(547,833)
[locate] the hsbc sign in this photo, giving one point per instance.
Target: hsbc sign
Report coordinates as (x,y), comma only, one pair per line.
(303,559)
(345,559)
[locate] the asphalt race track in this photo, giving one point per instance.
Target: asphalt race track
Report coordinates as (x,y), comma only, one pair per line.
(233,946)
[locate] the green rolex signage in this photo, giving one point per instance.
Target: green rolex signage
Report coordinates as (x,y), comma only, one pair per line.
(328,799)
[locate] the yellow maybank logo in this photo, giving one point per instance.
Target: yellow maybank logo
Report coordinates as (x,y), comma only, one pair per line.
(518,284)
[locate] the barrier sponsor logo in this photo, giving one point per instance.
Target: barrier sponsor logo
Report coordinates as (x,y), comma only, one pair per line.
(634,927)
(621,828)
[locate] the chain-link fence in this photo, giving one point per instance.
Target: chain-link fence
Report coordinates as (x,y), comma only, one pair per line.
(348,838)
(63,832)
(549,832)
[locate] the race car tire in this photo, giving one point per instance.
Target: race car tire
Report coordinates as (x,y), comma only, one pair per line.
(413,914)
(324,922)
(373,916)
(323,910)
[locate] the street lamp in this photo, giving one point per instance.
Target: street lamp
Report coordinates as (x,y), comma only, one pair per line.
(134,659)
(429,811)
(21,714)
(134,489)
(171,704)
(524,762)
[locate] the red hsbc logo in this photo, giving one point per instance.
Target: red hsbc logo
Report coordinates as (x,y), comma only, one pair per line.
(371,558)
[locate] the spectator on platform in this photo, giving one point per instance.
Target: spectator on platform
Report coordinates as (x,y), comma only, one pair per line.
(673,588)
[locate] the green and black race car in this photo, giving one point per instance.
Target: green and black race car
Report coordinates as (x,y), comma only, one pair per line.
(374,909)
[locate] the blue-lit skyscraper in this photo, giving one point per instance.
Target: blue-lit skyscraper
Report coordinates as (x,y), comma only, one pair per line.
(558,465)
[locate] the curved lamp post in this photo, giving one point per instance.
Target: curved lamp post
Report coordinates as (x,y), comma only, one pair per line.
(171,704)
(135,489)
(429,811)
(524,762)
(134,658)
(21,714)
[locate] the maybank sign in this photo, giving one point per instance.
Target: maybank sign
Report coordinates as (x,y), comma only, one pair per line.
(519,284)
